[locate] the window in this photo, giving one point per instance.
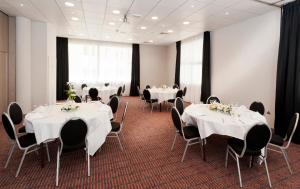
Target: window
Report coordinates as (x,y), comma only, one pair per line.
(96,63)
(191,67)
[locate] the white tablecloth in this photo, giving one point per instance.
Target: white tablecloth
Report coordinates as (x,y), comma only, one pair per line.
(103,92)
(163,94)
(211,122)
(46,122)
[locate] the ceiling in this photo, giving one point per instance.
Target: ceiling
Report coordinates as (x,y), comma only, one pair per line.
(94,19)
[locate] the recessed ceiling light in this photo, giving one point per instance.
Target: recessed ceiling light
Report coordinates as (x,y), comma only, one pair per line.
(186,22)
(170,31)
(226,13)
(22,5)
(75,18)
(130,39)
(69,4)
(192,6)
(116,12)
(107,37)
(143,27)
(154,17)
(111,23)
(150,41)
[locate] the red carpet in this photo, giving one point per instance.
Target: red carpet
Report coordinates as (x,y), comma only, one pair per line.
(147,161)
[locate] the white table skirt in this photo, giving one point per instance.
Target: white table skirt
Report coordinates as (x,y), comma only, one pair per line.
(103,92)
(46,122)
(211,122)
(163,94)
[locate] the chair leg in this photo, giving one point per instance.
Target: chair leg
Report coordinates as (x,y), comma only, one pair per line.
(11,150)
(239,170)
(47,149)
(21,163)
(267,170)
(57,166)
(120,142)
(186,146)
(174,141)
(226,157)
(151,107)
(251,161)
(203,143)
(287,160)
(89,164)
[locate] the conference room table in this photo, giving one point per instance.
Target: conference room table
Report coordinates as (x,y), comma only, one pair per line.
(211,122)
(46,122)
(162,94)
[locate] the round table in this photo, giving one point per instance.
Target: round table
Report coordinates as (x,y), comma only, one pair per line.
(163,94)
(103,92)
(46,122)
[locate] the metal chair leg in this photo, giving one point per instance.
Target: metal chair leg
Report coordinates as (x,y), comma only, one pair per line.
(267,170)
(226,157)
(151,107)
(120,142)
(186,146)
(21,163)
(11,150)
(57,166)
(174,141)
(287,160)
(89,164)
(251,161)
(47,149)
(239,170)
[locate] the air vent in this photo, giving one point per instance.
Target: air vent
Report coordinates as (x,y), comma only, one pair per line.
(164,33)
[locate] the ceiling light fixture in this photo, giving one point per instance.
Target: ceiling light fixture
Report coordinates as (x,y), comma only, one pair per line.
(154,17)
(111,23)
(107,37)
(226,13)
(170,31)
(22,5)
(69,4)
(130,39)
(143,27)
(150,41)
(75,18)
(116,12)
(192,6)
(186,22)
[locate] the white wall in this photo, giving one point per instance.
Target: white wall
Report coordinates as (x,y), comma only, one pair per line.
(153,65)
(244,61)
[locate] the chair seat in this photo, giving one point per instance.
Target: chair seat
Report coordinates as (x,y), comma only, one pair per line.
(27,140)
(191,132)
(171,100)
(277,140)
(115,126)
(152,100)
(237,145)
(22,130)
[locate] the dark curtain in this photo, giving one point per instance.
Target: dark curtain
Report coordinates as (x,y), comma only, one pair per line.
(205,86)
(177,68)
(62,67)
(288,70)
(135,70)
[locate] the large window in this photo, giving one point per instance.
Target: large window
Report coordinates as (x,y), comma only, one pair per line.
(191,67)
(96,63)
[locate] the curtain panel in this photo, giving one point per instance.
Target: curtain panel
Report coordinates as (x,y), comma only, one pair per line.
(288,70)
(62,67)
(206,85)
(135,70)
(177,68)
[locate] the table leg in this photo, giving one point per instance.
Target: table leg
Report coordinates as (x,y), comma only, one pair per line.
(203,151)
(42,155)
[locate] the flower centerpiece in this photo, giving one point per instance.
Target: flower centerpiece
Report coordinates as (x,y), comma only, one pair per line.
(70,92)
(70,106)
(224,108)
(164,86)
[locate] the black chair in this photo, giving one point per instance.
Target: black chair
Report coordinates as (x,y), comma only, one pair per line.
(123,89)
(184,91)
(24,142)
(148,87)
(83,85)
(277,142)
(189,133)
(212,99)
(93,93)
(106,84)
(175,86)
(148,99)
(179,105)
(257,107)
(16,114)
(77,99)
(72,137)
(119,93)
(179,94)
(254,142)
(114,104)
(118,126)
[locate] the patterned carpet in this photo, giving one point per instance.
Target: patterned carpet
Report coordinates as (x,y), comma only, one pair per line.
(147,161)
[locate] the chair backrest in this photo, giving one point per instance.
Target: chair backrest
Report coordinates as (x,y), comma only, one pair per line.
(257,138)
(179,94)
(148,87)
(212,99)
(257,107)
(124,115)
(123,89)
(83,85)
(292,128)
(119,91)
(106,84)
(179,105)
(114,104)
(175,86)
(93,92)
(147,94)
(184,91)
(176,119)
(73,134)
(15,113)
(8,126)
(77,99)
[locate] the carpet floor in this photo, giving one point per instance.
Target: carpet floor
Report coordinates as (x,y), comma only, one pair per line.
(147,161)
